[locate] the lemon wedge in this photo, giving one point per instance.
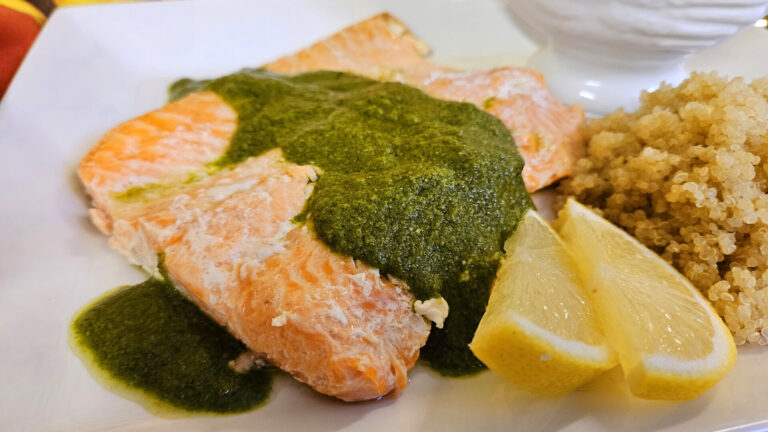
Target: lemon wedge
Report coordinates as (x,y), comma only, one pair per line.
(538,331)
(671,343)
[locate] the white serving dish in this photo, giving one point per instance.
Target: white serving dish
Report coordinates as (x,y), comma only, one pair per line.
(602,53)
(95,66)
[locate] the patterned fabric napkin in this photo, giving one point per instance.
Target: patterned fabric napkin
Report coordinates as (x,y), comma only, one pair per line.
(19,24)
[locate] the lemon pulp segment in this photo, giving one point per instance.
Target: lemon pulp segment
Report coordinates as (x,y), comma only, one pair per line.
(670,342)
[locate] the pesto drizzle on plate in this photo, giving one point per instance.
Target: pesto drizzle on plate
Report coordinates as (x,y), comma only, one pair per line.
(151,341)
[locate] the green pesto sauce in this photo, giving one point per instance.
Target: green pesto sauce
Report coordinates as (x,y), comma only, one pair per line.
(151,339)
(423,189)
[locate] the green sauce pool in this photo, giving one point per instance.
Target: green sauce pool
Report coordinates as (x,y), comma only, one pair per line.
(151,343)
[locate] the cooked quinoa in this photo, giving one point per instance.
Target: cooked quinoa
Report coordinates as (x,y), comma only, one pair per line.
(687,174)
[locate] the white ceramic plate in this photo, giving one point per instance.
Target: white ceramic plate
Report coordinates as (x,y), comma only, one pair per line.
(93,67)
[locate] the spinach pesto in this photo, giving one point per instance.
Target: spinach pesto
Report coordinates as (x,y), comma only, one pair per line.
(423,189)
(152,344)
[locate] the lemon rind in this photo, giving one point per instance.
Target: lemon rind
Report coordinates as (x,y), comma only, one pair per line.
(601,354)
(549,371)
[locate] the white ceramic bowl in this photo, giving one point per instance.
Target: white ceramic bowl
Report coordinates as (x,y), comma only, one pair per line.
(602,53)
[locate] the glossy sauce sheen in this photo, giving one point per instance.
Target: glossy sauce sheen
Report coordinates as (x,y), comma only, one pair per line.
(423,189)
(152,338)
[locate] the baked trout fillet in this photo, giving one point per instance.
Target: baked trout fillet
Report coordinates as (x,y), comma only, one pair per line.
(228,238)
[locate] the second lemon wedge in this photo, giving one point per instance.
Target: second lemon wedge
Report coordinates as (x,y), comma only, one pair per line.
(538,331)
(671,343)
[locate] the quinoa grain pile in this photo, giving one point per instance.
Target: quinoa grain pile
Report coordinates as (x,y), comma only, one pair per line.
(687,174)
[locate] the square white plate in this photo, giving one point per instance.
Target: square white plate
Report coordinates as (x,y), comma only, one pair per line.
(93,67)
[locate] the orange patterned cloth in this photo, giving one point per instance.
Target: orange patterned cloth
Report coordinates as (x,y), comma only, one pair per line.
(19,26)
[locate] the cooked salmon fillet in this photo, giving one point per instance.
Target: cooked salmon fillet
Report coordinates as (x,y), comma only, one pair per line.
(229,244)
(228,237)
(546,131)
(169,144)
